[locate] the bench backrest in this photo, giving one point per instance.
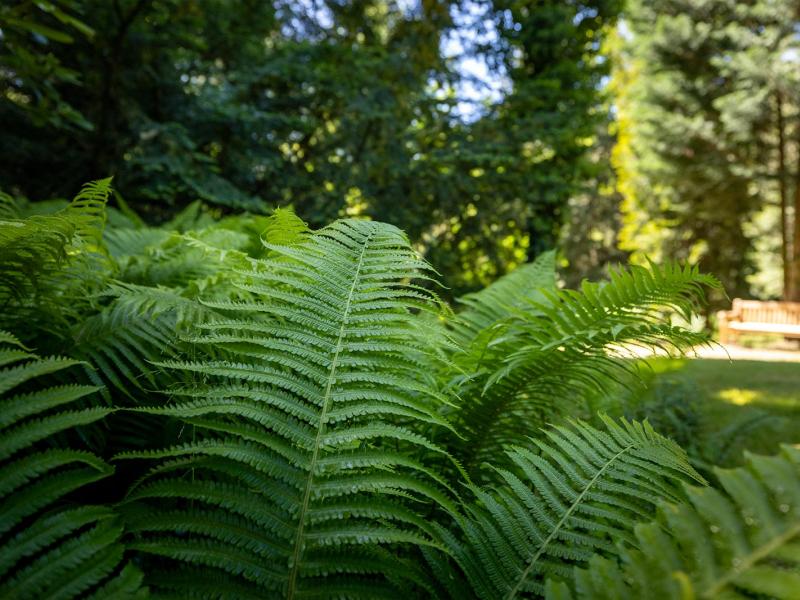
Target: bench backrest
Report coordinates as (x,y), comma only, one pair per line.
(756,311)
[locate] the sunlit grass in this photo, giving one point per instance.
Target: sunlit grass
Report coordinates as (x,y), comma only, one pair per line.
(739,396)
(729,394)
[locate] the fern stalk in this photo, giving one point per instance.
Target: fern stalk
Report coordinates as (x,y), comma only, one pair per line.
(297,552)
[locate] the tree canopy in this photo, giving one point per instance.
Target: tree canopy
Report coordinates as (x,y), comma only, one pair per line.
(336,108)
(489,130)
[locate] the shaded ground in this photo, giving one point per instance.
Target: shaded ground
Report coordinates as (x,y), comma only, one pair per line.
(719,408)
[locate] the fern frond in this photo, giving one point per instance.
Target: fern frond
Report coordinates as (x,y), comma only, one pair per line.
(503,299)
(554,352)
(89,210)
(47,547)
(300,423)
(740,541)
(575,492)
(143,322)
(285,228)
(52,262)
(8,207)
(140,327)
(127,245)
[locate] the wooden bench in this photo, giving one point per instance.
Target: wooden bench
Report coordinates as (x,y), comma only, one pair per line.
(754,316)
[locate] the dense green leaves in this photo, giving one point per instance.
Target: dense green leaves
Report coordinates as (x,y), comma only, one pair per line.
(552,349)
(339,108)
(737,542)
(303,410)
(708,92)
(51,261)
(287,411)
(572,493)
(50,544)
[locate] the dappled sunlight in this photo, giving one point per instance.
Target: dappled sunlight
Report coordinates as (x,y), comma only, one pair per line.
(400,299)
(723,408)
(740,396)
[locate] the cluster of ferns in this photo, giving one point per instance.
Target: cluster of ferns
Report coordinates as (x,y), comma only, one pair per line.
(240,407)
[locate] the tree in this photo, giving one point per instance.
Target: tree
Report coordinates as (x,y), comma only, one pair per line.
(709,121)
(337,108)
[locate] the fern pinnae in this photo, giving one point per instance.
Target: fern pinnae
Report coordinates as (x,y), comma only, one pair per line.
(308,405)
(561,344)
(557,528)
(49,549)
(49,529)
(298,548)
(562,497)
(737,541)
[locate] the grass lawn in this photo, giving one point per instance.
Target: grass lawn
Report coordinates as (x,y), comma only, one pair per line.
(730,406)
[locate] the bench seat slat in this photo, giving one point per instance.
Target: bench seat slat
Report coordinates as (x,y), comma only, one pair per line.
(755,316)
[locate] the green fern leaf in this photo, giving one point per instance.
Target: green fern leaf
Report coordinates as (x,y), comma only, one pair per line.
(301,420)
(741,541)
(488,308)
(47,547)
(576,493)
(52,262)
(285,228)
(554,352)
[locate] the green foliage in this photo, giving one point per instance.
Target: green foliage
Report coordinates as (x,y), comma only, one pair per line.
(340,108)
(736,542)
(488,309)
(302,417)
(717,410)
(51,262)
(566,345)
(550,51)
(570,494)
(35,81)
(53,546)
(288,410)
(709,125)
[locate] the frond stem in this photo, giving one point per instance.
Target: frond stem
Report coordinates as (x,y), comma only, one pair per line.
(515,590)
(752,558)
(298,544)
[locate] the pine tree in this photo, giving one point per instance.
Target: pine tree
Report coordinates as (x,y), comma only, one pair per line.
(710,130)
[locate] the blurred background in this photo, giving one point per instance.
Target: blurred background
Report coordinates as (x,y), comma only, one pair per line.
(489,130)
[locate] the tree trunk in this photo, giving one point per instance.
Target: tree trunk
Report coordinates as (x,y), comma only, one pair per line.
(786,259)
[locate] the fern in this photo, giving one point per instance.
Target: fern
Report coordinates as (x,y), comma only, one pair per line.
(489,308)
(140,327)
(158,257)
(161,278)
(297,406)
(124,340)
(474,340)
(284,228)
(738,542)
(562,499)
(49,546)
(299,462)
(53,262)
(555,352)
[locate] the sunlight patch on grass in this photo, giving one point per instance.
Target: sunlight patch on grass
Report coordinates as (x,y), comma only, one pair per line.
(739,396)
(740,405)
